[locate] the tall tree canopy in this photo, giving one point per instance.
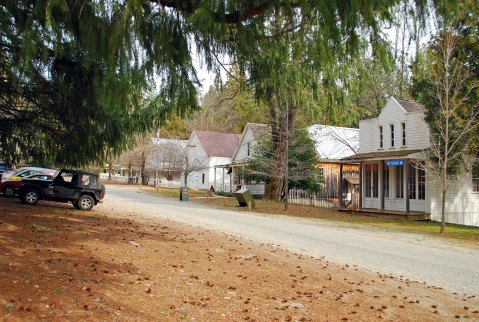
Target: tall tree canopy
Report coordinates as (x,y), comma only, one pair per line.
(76,75)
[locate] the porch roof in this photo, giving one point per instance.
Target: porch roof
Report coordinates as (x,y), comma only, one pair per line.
(352,180)
(380,155)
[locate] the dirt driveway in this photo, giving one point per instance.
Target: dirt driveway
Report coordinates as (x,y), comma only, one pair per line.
(60,264)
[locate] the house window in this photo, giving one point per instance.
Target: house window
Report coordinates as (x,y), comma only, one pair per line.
(202,178)
(321,175)
(391,127)
(248,148)
(386,181)
(412,181)
(403,128)
(380,137)
(367,170)
(399,182)
(421,183)
(475,177)
(375,180)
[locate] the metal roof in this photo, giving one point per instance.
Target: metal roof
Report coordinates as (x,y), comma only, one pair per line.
(410,105)
(333,142)
(381,155)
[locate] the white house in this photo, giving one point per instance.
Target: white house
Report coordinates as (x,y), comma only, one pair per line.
(204,151)
(165,161)
(253,134)
(392,177)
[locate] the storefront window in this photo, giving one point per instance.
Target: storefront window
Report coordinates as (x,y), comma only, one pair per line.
(375,180)
(412,181)
(386,181)
(399,182)
(421,185)
(367,178)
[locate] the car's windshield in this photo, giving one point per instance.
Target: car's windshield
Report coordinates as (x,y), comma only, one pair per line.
(17,172)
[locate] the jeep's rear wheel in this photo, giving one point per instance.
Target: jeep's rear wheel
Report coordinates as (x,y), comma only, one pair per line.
(85,202)
(30,196)
(9,191)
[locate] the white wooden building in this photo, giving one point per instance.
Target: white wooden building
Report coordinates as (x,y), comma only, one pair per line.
(165,161)
(253,134)
(205,150)
(392,178)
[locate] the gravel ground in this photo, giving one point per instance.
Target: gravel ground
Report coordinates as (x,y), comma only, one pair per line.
(121,263)
(425,259)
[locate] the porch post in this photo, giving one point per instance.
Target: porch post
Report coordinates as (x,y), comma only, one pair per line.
(223,178)
(406,173)
(360,185)
(242,176)
(381,182)
(214,184)
(340,197)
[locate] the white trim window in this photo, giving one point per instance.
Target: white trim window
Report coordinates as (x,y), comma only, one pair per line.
(403,129)
(391,129)
(381,143)
(475,177)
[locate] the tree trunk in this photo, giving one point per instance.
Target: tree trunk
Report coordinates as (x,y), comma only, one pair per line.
(280,127)
(110,169)
(443,212)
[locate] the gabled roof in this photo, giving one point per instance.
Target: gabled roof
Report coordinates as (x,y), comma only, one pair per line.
(410,105)
(218,144)
(334,143)
(258,130)
(180,143)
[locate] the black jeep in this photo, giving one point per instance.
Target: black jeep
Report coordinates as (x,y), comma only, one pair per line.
(82,189)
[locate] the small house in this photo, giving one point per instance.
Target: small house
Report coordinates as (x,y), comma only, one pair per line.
(204,151)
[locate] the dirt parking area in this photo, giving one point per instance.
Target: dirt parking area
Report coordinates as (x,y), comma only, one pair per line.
(59,264)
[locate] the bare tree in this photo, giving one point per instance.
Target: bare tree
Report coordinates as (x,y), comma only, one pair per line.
(192,163)
(453,114)
(137,156)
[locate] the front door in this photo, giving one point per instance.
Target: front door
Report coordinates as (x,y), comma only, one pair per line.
(371,185)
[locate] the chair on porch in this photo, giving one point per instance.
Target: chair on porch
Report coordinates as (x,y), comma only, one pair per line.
(348,199)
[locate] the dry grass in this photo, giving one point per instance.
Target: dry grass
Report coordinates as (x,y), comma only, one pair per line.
(457,233)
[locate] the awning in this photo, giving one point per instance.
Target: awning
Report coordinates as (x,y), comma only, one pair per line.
(352,180)
(381,155)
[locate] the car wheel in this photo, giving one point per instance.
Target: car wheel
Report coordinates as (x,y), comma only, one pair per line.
(9,191)
(30,196)
(85,202)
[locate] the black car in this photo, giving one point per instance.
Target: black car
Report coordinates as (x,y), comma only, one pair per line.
(82,189)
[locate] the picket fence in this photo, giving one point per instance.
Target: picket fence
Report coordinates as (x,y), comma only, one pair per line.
(301,197)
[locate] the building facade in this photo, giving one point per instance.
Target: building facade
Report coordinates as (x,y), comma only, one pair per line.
(393,176)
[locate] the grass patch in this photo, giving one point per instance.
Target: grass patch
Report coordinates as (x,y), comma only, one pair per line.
(175,192)
(453,232)
(458,233)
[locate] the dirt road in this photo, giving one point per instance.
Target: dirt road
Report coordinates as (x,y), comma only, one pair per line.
(118,264)
(419,258)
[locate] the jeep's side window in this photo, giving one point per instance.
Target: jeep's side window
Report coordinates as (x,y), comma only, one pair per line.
(65,177)
(86,180)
